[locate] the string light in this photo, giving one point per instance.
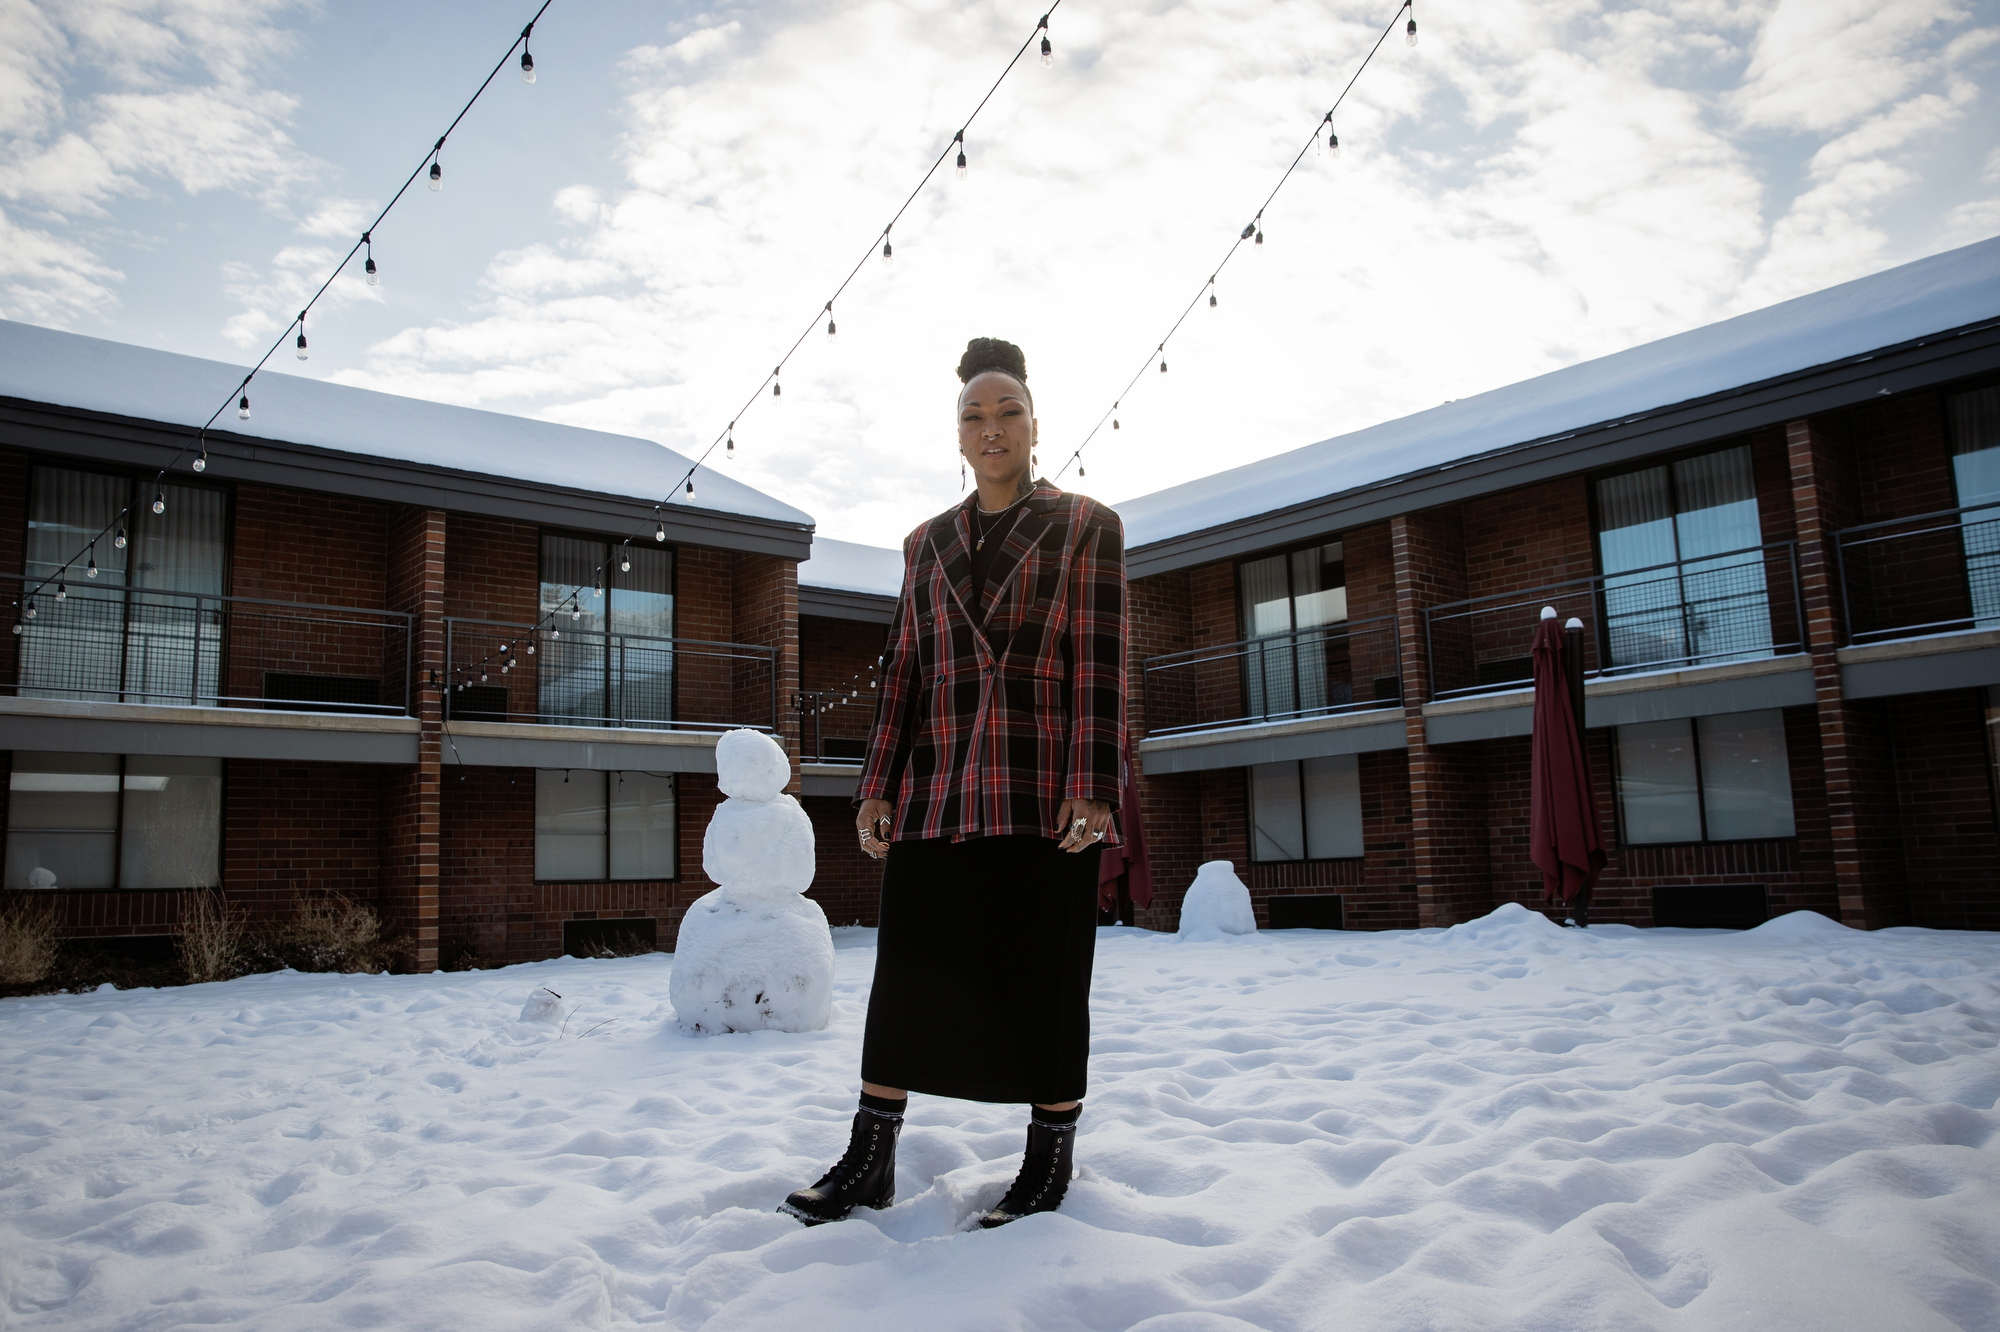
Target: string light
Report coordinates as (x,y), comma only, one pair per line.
(729,449)
(1253,231)
(829,338)
(91,572)
(777,389)
(625,557)
(888,250)
(959,139)
(527,60)
(62,590)
(363,246)
(659,529)
(1411,39)
(1048,52)
(690,490)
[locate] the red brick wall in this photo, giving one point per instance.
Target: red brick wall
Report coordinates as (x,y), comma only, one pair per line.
(765,613)
(492,569)
(410,798)
(1944,788)
(839,655)
(293,829)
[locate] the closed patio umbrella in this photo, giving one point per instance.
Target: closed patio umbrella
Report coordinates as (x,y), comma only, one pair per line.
(1127,861)
(1563,837)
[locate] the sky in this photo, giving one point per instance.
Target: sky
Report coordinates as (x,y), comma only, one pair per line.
(633,241)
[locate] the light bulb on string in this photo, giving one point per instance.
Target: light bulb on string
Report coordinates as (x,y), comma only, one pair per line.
(1260,236)
(119,540)
(1163,358)
(437,175)
(729,438)
(1048,52)
(91,571)
(624,559)
(690,488)
(777,389)
(62,590)
(1411,38)
(659,529)
(830,336)
(959,139)
(302,335)
(368,262)
(1332,144)
(888,250)
(159,502)
(598,590)
(243,408)
(30,612)
(1114,419)
(1079,469)
(527,60)
(200,464)
(1211,291)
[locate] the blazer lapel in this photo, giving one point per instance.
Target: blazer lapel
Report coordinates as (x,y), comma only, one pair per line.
(951,546)
(1029,529)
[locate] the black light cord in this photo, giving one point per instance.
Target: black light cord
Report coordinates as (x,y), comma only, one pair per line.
(1159,350)
(298,322)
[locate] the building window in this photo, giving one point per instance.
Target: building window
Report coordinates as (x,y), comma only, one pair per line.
(110,821)
(1290,602)
(605,825)
(614,663)
(147,628)
(1712,779)
(1678,544)
(1975,470)
(1308,810)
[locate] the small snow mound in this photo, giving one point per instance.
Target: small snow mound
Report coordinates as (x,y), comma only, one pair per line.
(1217,903)
(750,765)
(544,1005)
(1509,920)
(1801,926)
(752,965)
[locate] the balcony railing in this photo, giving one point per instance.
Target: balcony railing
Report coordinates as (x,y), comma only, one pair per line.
(1930,574)
(105,643)
(1325,671)
(501,672)
(1732,606)
(834,725)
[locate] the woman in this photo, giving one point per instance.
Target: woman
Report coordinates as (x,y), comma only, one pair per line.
(991,776)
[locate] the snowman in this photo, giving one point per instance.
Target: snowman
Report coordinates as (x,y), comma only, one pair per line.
(1216,904)
(754,954)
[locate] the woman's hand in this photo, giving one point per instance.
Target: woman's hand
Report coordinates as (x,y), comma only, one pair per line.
(1082,823)
(873,821)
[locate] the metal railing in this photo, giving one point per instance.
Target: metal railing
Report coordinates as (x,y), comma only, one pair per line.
(834,725)
(1732,606)
(1354,666)
(1931,573)
(108,643)
(501,672)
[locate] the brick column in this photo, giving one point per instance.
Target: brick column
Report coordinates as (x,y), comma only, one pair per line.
(1448,848)
(410,814)
(1854,734)
(764,610)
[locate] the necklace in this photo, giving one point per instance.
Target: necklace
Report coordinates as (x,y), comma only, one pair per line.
(981,526)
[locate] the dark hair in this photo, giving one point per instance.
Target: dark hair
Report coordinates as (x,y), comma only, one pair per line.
(983,354)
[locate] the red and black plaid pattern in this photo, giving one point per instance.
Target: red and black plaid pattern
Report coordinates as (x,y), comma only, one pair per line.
(990,715)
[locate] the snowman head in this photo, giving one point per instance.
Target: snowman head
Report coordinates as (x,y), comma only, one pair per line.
(750,765)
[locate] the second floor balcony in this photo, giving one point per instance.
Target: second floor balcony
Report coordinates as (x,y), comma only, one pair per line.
(1933,573)
(1328,670)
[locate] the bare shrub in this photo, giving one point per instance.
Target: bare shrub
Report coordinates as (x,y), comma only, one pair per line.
(335,934)
(28,940)
(211,939)
(625,943)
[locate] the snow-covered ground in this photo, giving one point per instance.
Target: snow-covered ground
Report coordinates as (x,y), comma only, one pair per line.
(1502,1125)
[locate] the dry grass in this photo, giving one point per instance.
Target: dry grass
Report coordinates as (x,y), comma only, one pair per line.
(28,940)
(335,934)
(211,939)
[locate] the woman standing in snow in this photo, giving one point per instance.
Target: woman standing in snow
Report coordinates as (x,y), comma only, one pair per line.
(991,776)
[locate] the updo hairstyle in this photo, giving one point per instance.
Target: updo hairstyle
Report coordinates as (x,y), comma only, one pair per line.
(984,354)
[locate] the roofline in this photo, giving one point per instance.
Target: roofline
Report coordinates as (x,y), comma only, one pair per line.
(835,603)
(123,441)
(1919,363)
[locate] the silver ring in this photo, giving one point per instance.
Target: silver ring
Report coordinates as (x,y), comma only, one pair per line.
(1097,835)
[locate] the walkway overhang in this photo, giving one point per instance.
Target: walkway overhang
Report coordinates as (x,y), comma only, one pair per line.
(1967,660)
(838,780)
(1697,691)
(590,748)
(1274,742)
(68,726)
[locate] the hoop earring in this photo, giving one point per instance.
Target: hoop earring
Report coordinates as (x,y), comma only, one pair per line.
(961,471)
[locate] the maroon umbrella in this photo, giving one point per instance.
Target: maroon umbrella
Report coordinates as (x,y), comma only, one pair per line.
(1127,861)
(1563,837)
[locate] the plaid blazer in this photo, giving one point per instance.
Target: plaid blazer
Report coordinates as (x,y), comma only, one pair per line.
(967,743)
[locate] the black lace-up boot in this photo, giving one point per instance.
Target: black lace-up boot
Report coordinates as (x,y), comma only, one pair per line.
(1045,1168)
(865,1175)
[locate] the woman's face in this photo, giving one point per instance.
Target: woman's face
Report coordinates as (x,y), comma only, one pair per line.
(996,428)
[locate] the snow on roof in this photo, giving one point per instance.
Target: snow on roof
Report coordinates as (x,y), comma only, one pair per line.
(69,370)
(845,566)
(1945,291)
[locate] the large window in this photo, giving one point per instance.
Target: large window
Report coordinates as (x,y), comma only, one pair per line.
(111,821)
(1975,467)
(1712,779)
(146,627)
(1289,603)
(615,662)
(605,825)
(1308,810)
(1684,578)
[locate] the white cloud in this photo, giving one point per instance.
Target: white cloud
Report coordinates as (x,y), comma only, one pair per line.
(47,280)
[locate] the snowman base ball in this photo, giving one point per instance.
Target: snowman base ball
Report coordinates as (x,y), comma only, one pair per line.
(754,955)
(760,965)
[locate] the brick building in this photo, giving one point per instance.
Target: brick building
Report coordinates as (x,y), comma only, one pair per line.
(1772,529)
(379,647)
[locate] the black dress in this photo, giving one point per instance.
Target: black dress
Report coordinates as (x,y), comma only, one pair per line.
(982,965)
(982,970)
